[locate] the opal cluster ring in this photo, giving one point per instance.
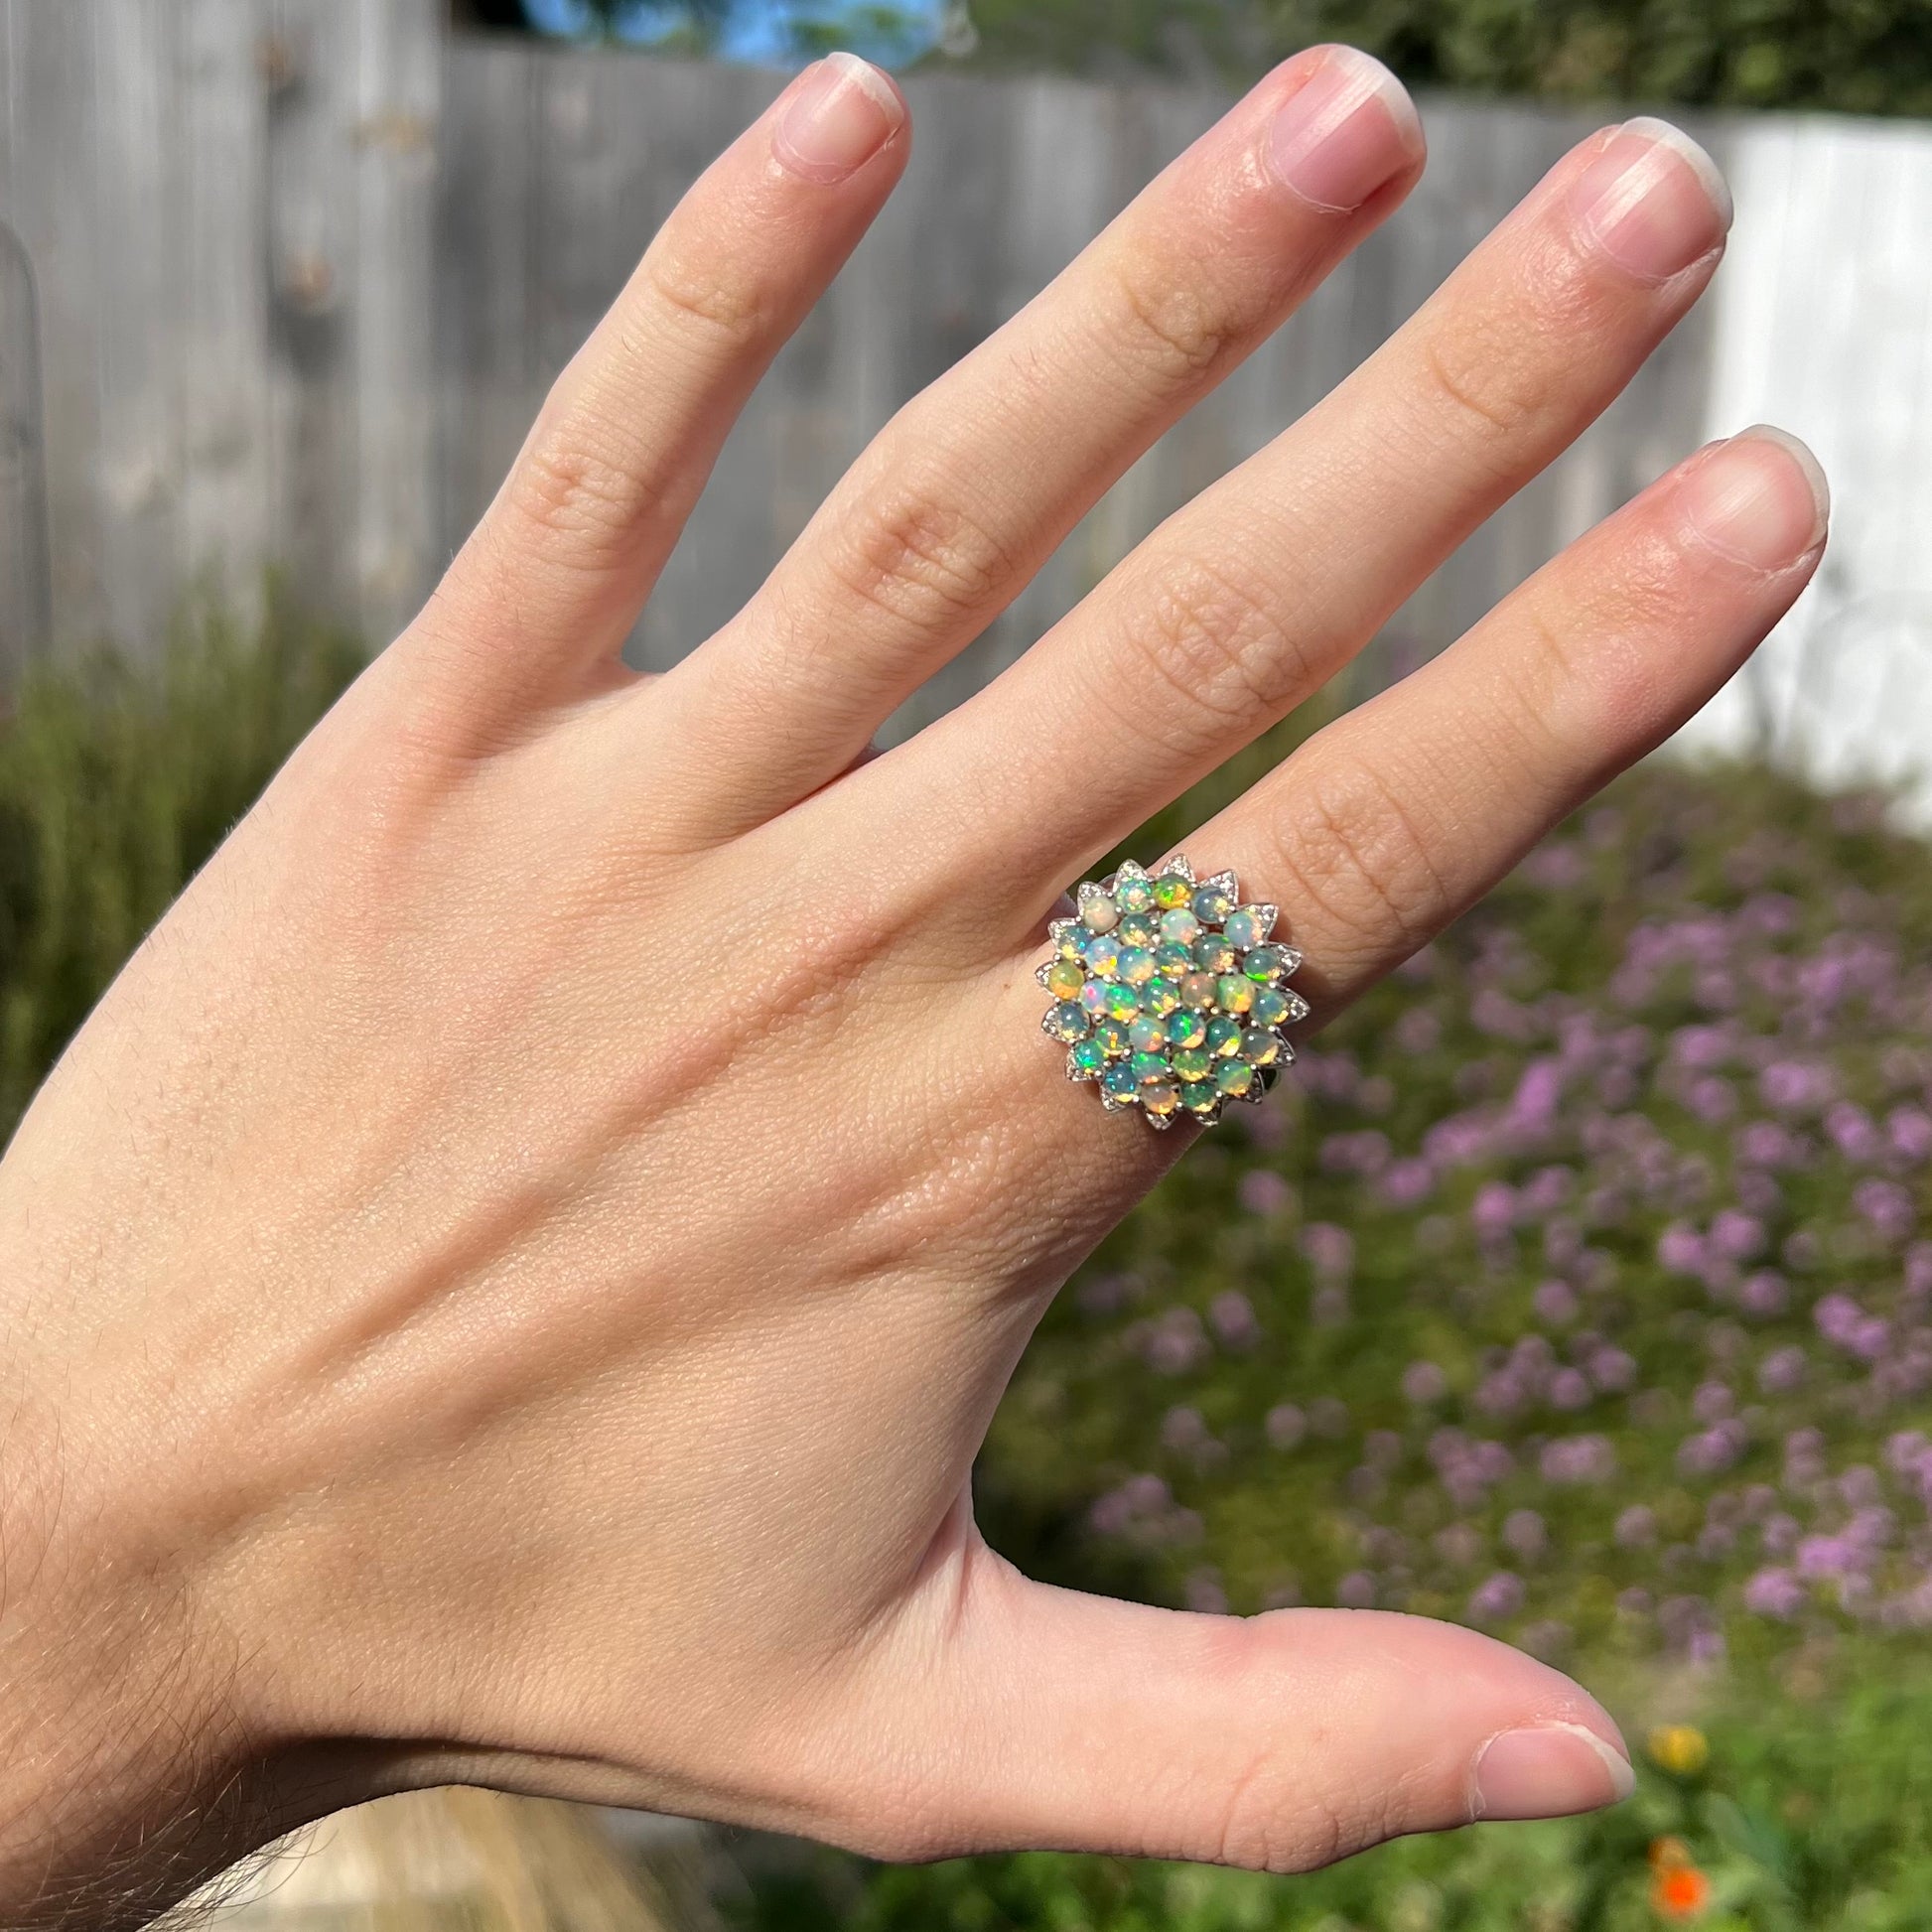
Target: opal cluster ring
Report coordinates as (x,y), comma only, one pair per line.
(1168,993)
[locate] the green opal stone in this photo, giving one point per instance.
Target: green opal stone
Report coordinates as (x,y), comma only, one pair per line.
(1264,963)
(1223,1037)
(1234,1077)
(1123,1002)
(1200,1097)
(1147,1033)
(1213,905)
(1133,895)
(1112,1037)
(1260,1047)
(1234,994)
(1171,890)
(1193,1064)
(1067,1021)
(1120,1082)
(1160,995)
(1088,1056)
(1213,954)
(1064,978)
(1173,960)
(1135,930)
(1187,1028)
(1271,1006)
(1181,926)
(1135,965)
(1197,989)
(1160,1100)
(1103,956)
(1149,1067)
(1072,943)
(1244,931)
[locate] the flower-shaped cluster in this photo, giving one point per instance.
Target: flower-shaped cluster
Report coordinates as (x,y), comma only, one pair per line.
(1167,993)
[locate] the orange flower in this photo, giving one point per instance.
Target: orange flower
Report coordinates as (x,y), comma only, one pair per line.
(1680,1890)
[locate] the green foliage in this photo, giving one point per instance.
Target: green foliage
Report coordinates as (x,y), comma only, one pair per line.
(1670,1425)
(1808,1817)
(116,782)
(1857,56)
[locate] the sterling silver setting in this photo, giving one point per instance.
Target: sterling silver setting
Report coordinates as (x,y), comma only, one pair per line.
(1170,993)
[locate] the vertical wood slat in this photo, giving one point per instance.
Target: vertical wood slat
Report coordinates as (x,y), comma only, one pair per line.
(309,264)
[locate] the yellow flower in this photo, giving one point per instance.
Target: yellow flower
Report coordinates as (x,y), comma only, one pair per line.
(1682,1750)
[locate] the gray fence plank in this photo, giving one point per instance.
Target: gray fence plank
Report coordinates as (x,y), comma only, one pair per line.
(306,289)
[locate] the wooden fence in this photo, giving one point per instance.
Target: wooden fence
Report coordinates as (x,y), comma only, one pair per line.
(305,269)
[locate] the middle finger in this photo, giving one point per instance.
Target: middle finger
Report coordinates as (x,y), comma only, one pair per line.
(1249,599)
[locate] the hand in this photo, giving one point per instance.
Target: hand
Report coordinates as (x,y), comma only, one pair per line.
(508,1285)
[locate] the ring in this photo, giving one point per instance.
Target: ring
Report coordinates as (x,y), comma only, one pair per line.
(1167,993)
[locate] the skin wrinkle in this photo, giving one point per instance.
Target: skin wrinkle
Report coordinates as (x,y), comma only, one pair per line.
(595,1269)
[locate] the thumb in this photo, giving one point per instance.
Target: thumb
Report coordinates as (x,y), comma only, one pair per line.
(1280,1742)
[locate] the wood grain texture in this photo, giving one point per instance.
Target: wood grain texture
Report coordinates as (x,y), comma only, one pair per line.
(308,265)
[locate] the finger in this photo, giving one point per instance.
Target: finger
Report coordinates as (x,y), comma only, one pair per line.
(1250,598)
(544,594)
(1279,1742)
(1385,826)
(969,490)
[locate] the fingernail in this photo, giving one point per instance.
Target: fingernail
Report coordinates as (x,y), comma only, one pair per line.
(844,112)
(1653,200)
(1348,129)
(1549,1771)
(1759,500)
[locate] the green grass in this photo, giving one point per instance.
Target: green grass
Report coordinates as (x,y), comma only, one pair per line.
(116,783)
(1635,1158)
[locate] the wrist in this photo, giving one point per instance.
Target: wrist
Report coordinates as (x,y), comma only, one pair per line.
(126,1772)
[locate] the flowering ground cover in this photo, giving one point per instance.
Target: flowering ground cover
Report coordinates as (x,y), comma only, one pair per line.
(1576,1285)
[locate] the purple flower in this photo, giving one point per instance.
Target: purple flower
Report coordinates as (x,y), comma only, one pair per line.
(1424,1382)
(1493,1211)
(1735,1235)
(1570,1390)
(1357,1590)
(1176,1342)
(1578,1460)
(1712,1402)
(1795,1086)
(1205,1596)
(1263,1191)
(1555,1302)
(1612,1369)
(1330,1250)
(1783,1371)
(1232,1317)
(1407,1183)
(1712,1450)
(1909,1129)
(1764,1294)
(1286,1426)
(1525,1534)
(1636,1527)
(1887,1206)
(1532,1106)
(1182,1428)
(1497,1597)
(1680,1250)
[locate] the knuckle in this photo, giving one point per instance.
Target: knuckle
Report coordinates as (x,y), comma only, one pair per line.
(1218,643)
(921,556)
(718,297)
(1171,328)
(1355,854)
(566,492)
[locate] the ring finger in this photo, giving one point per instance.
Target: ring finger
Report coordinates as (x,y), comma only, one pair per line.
(1248,599)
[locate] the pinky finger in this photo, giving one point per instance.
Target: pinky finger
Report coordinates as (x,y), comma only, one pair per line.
(1393,820)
